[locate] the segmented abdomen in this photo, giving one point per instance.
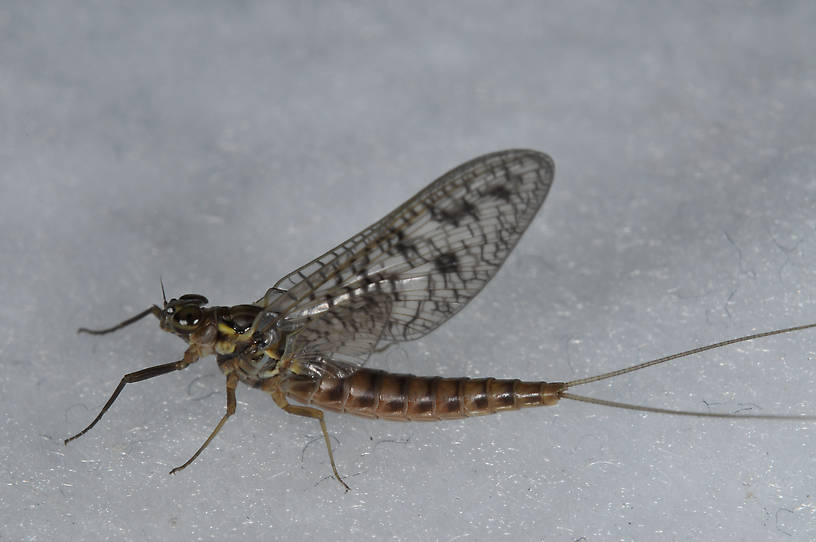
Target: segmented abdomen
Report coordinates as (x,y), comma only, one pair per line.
(378,394)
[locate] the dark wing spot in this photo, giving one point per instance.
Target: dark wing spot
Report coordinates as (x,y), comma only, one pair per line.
(469,209)
(447,262)
(499,192)
(513,180)
(455,213)
(408,250)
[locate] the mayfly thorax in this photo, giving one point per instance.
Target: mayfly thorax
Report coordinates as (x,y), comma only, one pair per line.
(309,336)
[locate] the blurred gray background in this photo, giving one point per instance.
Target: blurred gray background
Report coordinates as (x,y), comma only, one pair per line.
(220,145)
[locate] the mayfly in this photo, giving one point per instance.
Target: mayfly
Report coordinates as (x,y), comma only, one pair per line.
(309,337)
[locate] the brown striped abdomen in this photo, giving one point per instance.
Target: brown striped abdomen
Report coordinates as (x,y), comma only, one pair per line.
(378,394)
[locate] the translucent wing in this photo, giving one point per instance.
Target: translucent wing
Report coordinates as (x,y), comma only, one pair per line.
(402,277)
(350,330)
(340,339)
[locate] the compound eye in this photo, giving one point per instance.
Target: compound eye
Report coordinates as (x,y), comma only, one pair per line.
(187,318)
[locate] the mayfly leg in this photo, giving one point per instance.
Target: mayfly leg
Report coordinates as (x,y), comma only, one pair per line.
(137,376)
(129,378)
(310,412)
(232,383)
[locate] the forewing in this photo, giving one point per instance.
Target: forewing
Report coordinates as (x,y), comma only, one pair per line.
(425,260)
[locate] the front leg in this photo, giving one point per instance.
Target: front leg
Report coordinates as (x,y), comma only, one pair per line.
(309,412)
(190,356)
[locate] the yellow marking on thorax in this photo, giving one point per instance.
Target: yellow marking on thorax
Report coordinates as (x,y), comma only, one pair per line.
(225,347)
(226,330)
(230,339)
(297,368)
(272,353)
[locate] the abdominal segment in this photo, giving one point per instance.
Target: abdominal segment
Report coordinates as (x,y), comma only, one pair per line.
(401,397)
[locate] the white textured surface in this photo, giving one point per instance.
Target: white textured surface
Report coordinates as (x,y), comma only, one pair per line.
(220,145)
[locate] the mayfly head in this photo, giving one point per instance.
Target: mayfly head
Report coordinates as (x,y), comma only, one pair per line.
(184,316)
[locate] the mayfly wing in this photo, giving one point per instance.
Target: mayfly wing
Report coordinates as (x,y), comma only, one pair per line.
(341,338)
(428,258)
